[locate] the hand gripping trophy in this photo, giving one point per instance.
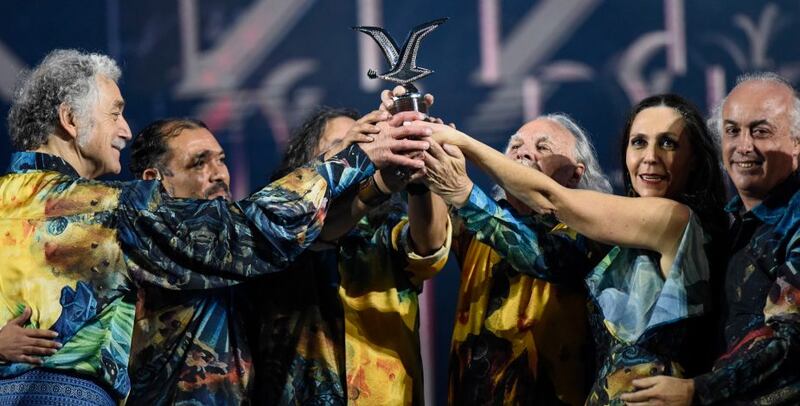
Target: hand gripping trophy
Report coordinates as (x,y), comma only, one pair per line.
(403,68)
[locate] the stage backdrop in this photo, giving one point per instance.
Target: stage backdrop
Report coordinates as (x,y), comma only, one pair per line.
(252,69)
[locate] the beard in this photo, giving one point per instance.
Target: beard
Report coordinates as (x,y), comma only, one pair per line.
(216,188)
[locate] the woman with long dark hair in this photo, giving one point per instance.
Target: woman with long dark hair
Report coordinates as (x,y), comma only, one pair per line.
(648,292)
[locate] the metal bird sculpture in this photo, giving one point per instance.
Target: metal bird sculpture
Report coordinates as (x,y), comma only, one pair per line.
(403,64)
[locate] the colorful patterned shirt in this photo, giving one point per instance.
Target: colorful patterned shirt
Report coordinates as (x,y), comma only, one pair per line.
(72,248)
(641,321)
(519,339)
(343,324)
(762,304)
(190,346)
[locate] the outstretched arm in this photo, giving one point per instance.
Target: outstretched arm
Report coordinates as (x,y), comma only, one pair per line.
(531,248)
(188,244)
(651,223)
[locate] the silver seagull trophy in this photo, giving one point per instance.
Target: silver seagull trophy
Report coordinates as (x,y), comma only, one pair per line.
(403,68)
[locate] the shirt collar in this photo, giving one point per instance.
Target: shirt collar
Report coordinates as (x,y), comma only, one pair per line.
(774,206)
(37,161)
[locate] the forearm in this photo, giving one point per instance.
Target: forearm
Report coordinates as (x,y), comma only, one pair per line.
(530,250)
(654,224)
(343,215)
(189,244)
(531,188)
(427,221)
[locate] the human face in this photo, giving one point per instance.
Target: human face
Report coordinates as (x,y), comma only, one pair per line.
(549,147)
(757,148)
(335,130)
(196,166)
(101,141)
(659,153)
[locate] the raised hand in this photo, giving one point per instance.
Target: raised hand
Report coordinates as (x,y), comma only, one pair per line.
(20,344)
(446,173)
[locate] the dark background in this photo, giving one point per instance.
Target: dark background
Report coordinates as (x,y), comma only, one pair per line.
(257,67)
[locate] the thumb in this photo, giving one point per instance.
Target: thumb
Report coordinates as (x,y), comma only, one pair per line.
(453,151)
(22,318)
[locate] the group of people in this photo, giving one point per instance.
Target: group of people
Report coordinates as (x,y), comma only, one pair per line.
(164,290)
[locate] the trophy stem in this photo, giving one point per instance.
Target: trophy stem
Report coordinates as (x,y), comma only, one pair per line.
(409,102)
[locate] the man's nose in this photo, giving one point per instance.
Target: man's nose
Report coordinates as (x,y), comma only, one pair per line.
(125,130)
(744,143)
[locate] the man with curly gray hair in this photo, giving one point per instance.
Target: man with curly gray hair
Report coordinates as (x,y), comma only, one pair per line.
(74,250)
(71,107)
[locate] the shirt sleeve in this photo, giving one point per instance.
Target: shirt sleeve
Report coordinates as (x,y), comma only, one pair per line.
(420,267)
(555,254)
(766,353)
(200,244)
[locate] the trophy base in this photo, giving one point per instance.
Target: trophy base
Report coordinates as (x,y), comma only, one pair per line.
(409,102)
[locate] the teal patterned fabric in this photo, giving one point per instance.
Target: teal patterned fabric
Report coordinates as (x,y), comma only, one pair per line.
(629,287)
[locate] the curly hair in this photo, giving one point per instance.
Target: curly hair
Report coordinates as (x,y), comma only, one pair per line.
(63,77)
(149,148)
(305,138)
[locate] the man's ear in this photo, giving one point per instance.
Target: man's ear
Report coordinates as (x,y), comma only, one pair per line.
(66,118)
(577,174)
(151,174)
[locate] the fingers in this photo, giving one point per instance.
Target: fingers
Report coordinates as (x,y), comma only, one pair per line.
(38,342)
(40,333)
(402,160)
(22,318)
(403,116)
(374,117)
(428,99)
(28,359)
(398,91)
(432,165)
(639,396)
(436,151)
(387,97)
(646,382)
(453,151)
(405,145)
(30,350)
(409,131)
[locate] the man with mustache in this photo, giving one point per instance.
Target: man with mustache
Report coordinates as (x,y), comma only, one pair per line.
(74,249)
(187,345)
(517,338)
(759,124)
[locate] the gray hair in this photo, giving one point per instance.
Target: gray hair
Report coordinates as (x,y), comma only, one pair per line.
(714,122)
(593,177)
(64,76)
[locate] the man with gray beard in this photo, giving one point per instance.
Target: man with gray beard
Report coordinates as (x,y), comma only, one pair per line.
(519,339)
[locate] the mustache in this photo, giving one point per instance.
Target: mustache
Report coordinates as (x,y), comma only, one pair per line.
(529,163)
(118,143)
(218,187)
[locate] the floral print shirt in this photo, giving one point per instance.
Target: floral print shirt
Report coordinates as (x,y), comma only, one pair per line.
(74,250)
